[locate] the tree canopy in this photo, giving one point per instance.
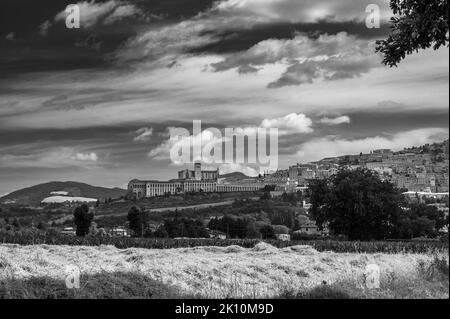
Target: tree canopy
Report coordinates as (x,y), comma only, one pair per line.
(359,205)
(82,218)
(417,24)
(356,203)
(138,221)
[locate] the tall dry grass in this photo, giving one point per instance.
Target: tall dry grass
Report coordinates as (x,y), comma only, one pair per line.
(213,272)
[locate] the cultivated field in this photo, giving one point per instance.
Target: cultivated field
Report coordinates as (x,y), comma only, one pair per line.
(216,272)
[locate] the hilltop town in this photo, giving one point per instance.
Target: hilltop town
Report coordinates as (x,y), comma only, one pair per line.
(422,169)
(417,169)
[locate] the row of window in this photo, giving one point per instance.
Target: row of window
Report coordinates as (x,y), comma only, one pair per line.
(153,189)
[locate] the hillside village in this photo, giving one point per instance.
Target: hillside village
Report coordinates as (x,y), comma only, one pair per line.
(423,169)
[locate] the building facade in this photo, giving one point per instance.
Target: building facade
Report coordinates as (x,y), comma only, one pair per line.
(188,182)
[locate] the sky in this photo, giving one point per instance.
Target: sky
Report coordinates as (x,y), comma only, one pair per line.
(97,104)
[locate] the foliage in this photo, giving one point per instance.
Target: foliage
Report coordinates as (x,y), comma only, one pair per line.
(138,220)
(356,203)
(183,227)
(267,232)
(280,229)
(266,196)
(417,25)
(82,218)
(292,197)
(232,226)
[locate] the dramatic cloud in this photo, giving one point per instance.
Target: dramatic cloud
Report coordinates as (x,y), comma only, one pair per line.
(330,57)
(91,89)
(335,121)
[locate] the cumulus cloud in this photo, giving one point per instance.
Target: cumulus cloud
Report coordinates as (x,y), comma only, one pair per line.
(335,121)
(212,140)
(206,137)
(144,134)
(319,148)
(85,157)
(93,13)
(291,123)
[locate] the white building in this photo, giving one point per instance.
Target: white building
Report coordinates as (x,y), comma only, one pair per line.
(192,181)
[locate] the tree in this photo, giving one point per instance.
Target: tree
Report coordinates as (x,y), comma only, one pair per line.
(252,231)
(265,196)
(356,203)
(230,225)
(185,228)
(41,226)
(292,198)
(420,220)
(267,232)
(82,218)
(16,223)
(269,188)
(283,217)
(280,229)
(417,25)
(138,220)
(93,230)
(161,232)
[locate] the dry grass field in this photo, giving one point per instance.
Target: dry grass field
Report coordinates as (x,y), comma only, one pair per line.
(216,272)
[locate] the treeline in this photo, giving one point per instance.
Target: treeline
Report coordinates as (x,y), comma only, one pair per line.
(171,228)
(244,227)
(245,218)
(27,237)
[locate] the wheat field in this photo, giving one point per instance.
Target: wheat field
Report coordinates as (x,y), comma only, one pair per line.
(208,272)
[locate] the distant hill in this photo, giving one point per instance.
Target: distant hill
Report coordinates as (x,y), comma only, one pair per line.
(34,195)
(236,176)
